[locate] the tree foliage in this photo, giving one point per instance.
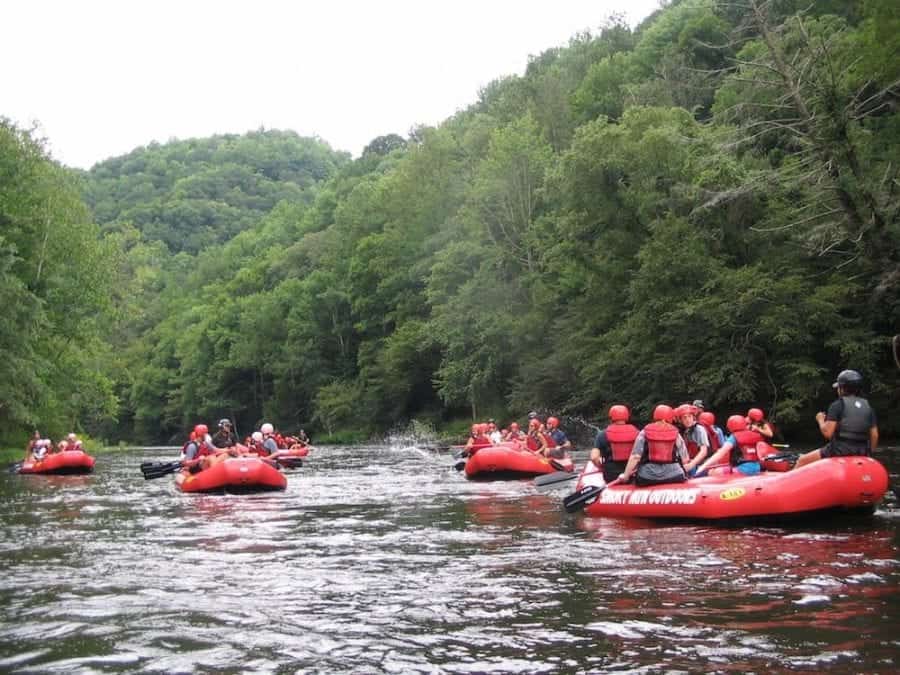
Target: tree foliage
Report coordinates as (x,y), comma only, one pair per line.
(704,206)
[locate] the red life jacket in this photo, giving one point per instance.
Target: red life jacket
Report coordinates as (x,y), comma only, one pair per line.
(480,442)
(746,441)
(620,438)
(257,448)
(551,442)
(712,436)
(532,443)
(661,439)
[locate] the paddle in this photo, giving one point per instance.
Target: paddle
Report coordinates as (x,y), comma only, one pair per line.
(159,469)
(584,496)
(555,477)
(788,456)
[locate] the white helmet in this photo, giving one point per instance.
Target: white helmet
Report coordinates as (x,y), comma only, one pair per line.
(257,436)
(267,428)
(71,437)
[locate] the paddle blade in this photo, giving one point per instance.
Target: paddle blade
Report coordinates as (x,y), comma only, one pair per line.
(555,477)
(153,470)
(460,465)
(787,456)
(585,496)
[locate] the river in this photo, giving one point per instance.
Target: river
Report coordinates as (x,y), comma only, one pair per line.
(384,559)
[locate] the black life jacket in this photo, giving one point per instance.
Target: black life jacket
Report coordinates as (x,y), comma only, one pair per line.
(856,419)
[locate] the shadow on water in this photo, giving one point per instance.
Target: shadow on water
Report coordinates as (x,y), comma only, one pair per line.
(384,559)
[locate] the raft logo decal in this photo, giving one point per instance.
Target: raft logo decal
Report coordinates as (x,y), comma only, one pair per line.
(650,496)
(732,493)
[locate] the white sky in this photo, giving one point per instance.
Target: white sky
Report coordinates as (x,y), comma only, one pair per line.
(101,78)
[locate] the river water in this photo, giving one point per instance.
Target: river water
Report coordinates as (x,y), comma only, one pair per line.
(385,559)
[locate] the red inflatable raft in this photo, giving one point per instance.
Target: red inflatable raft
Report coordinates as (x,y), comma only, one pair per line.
(237,474)
(511,461)
(60,464)
(850,484)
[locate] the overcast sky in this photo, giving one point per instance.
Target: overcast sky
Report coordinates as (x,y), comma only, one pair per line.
(102,78)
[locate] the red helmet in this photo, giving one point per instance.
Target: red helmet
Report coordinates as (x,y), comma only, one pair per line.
(619,413)
(552,422)
(707,418)
(663,413)
(534,423)
(483,428)
(513,426)
(201,430)
(736,423)
(755,415)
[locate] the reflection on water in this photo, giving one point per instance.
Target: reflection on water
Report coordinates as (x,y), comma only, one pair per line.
(380,559)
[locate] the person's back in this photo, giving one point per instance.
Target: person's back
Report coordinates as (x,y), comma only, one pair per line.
(850,426)
(659,452)
(613,445)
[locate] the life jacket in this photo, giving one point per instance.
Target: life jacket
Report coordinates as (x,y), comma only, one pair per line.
(713,437)
(661,438)
(620,439)
(257,448)
(480,442)
(551,442)
(280,442)
(853,427)
(746,446)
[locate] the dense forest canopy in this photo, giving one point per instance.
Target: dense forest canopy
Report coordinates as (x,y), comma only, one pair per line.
(703,207)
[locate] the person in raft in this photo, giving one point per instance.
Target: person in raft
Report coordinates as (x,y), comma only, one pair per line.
(561,443)
(494,433)
(40,450)
(269,444)
(255,444)
(708,420)
(740,449)
(849,426)
(695,437)
(612,446)
(536,441)
(32,444)
(199,443)
(477,438)
(71,443)
(756,421)
(659,453)
(225,436)
(514,433)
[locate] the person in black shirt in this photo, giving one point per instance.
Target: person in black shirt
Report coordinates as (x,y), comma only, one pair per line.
(225,436)
(849,426)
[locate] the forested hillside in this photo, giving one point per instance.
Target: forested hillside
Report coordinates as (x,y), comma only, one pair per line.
(201,192)
(703,207)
